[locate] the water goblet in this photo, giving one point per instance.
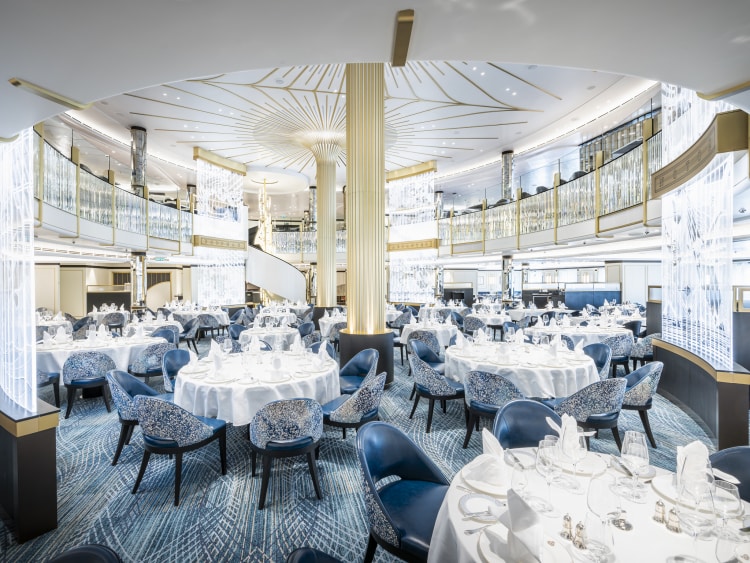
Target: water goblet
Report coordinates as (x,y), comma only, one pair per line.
(634,456)
(695,509)
(544,340)
(546,464)
(510,334)
(226,346)
(535,339)
(727,501)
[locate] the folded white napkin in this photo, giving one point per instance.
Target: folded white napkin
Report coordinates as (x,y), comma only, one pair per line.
(539,322)
(693,462)
(148,316)
(525,532)
(325,314)
(193,358)
(122,306)
(46,339)
(518,337)
(489,467)
(460,340)
(585,314)
(95,310)
(254,344)
(139,331)
(323,356)
(552,322)
(170,318)
(159,317)
(61,336)
(58,316)
(568,433)
(565,321)
(297,343)
(578,349)
(102,330)
(216,355)
(549,305)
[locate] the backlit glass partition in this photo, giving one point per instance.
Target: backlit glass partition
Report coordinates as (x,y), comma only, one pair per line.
(219,278)
(17,322)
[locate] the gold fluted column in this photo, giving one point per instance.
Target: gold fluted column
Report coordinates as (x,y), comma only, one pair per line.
(365,213)
(326,153)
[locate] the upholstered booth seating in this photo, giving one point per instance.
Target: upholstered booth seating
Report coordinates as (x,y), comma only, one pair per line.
(114,322)
(352,411)
(621,346)
(351,376)
(401,513)
(433,386)
(235,330)
(310,555)
(522,423)
(286,428)
(190,333)
(602,355)
(595,407)
(149,361)
(639,393)
(486,393)
(643,350)
(735,461)
(170,429)
(171,333)
(172,362)
(125,388)
(92,553)
(86,370)
(315,347)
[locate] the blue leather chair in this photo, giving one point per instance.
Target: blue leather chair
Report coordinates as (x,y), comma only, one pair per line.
(643,350)
(172,362)
(334,334)
(602,355)
(44,378)
(92,553)
(306,328)
(639,393)
(286,428)
(352,411)
(433,386)
(457,320)
(125,388)
(149,361)
(401,513)
(310,555)
(351,376)
(314,347)
(169,332)
(236,329)
(86,370)
(169,429)
(80,327)
(523,423)
(735,461)
(190,333)
(486,393)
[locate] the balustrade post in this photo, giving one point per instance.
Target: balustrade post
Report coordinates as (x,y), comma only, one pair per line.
(484,228)
(598,161)
(648,132)
(555,202)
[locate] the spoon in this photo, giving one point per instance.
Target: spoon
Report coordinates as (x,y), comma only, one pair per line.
(475,530)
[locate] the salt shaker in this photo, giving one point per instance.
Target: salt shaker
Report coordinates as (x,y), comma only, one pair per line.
(567,531)
(673,521)
(659,512)
(579,541)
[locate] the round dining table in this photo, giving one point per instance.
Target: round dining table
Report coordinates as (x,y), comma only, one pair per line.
(535,370)
(220,316)
(97,316)
(326,324)
(279,338)
(246,382)
(443,332)
(585,334)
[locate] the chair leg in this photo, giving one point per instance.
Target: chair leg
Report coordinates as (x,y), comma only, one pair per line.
(444,404)
(343,430)
(647,427)
(56,389)
(372,545)
(430,410)
(105,396)
(616,434)
(469,429)
(264,480)
(253,459)
(124,431)
(413,390)
(414,408)
(314,474)
(130,434)
(223,451)
(71,400)
(177,477)
(142,471)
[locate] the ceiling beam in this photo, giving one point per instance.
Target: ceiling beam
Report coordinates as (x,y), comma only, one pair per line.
(404,23)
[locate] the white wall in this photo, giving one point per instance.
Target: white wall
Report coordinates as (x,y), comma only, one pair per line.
(73,291)
(47,289)
(636,277)
(460,278)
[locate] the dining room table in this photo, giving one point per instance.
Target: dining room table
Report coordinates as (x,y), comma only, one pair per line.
(473,522)
(188,314)
(51,325)
(443,332)
(97,316)
(586,335)
(150,326)
(537,371)
(326,323)
(279,338)
(247,381)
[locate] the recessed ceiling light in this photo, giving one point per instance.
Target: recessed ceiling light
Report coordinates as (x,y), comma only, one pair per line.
(473,68)
(279,81)
(514,93)
(507,89)
(164,94)
(185,125)
(178,97)
(532,67)
(481,73)
(590,87)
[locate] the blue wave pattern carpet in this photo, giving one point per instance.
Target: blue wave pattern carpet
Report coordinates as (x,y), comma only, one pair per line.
(217,518)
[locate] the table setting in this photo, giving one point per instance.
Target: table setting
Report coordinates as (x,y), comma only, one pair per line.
(559,502)
(279,338)
(97,314)
(443,331)
(327,321)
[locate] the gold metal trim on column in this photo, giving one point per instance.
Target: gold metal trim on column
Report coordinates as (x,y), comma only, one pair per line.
(47,94)
(725,92)
(648,132)
(402,37)
(220,161)
(598,161)
(21,428)
(421,168)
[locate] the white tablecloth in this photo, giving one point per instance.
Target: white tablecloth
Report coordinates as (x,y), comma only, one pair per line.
(391,315)
(444,333)
(274,336)
(150,326)
(586,334)
(237,399)
(122,350)
(287,318)
(326,323)
(492,319)
(99,315)
(533,370)
(427,312)
(67,325)
(220,316)
(647,541)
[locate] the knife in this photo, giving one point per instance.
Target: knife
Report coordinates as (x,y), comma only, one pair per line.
(515,459)
(621,465)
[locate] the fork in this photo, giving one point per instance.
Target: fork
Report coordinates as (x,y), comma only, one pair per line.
(475,530)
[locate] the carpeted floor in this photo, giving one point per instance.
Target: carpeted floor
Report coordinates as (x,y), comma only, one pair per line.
(217,518)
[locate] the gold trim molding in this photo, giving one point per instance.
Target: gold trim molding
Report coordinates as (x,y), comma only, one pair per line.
(421,168)
(402,37)
(721,376)
(728,132)
(425,244)
(221,243)
(47,94)
(30,425)
(725,92)
(220,161)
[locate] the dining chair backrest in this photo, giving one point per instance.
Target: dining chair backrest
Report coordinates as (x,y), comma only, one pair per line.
(472,323)
(362,402)
(736,462)
(314,347)
(306,328)
(171,333)
(285,420)
(402,320)
(150,359)
(124,388)
(600,397)
(602,355)
(182,319)
(457,319)
(190,328)
(172,362)
(362,364)
(206,320)
(642,384)
(86,365)
(235,330)
(522,423)
(236,346)
(423,351)
(510,324)
(568,341)
(335,329)
(165,424)
(634,326)
(494,389)
(115,319)
(621,344)
(644,347)
(429,378)
(427,337)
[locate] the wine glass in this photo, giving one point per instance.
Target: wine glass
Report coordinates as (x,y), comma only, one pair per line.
(695,508)
(510,334)
(544,340)
(226,346)
(634,456)
(727,501)
(546,464)
(535,339)
(602,501)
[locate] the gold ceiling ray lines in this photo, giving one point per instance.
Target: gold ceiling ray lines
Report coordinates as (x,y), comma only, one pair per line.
(501,69)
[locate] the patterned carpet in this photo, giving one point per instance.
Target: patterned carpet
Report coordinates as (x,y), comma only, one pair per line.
(217,518)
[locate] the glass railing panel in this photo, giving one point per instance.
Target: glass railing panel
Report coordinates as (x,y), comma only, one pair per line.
(285,243)
(59,180)
(576,200)
(95,199)
(130,212)
(621,182)
(444,231)
(654,157)
(186,226)
(340,241)
(467,227)
(500,221)
(538,212)
(163,221)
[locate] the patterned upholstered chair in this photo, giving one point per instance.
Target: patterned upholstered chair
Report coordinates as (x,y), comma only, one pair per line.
(427,337)
(353,373)
(310,339)
(236,329)
(172,362)
(640,391)
(114,321)
(81,327)
(401,513)
(643,350)
(735,461)
(286,428)
(433,386)
(182,319)
(472,323)
(315,347)
(522,423)
(169,429)
(621,345)
(352,411)
(486,393)
(568,341)
(310,555)
(596,406)
(125,388)
(306,328)
(334,334)
(190,333)
(148,363)
(86,370)
(457,320)
(634,327)
(91,553)
(236,346)
(602,355)
(164,311)
(207,323)
(171,333)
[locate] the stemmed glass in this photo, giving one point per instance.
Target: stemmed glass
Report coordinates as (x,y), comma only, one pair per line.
(535,339)
(226,346)
(695,508)
(510,334)
(547,466)
(603,502)
(634,456)
(727,504)
(576,452)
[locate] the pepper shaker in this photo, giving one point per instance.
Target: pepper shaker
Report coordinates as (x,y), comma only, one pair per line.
(659,511)
(567,531)
(579,541)
(673,521)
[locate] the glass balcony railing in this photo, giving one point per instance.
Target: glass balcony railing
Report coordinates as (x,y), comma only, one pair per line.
(576,200)
(95,197)
(130,212)
(538,212)
(59,180)
(622,182)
